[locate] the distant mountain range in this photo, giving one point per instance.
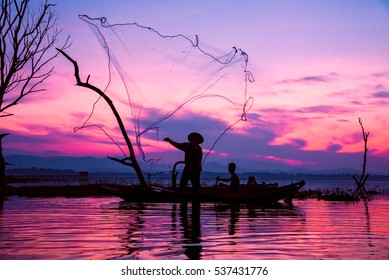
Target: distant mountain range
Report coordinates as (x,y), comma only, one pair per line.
(89,164)
(94,164)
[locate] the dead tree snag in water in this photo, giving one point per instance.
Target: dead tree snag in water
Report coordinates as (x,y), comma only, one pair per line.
(362,180)
(131,160)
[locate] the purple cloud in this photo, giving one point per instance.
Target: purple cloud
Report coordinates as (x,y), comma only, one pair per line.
(381,74)
(381,94)
(311,79)
(333,148)
(300,143)
(326,109)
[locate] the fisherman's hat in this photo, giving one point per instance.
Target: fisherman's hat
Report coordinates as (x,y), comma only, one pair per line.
(195,138)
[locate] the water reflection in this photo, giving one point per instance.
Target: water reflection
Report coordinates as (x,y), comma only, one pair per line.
(2,197)
(191,229)
(368,227)
(185,227)
(194,227)
(234,218)
(106,228)
(135,226)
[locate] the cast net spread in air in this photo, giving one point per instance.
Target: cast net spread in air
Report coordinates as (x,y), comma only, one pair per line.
(169,86)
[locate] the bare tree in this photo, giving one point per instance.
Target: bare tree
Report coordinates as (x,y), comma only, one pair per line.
(27,41)
(131,159)
(362,180)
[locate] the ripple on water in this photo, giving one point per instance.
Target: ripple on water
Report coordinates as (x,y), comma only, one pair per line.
(106,228)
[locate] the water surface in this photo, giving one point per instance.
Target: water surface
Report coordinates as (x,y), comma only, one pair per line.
(107,228)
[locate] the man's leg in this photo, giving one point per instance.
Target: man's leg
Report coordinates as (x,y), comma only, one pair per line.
(184,179)
(196,182)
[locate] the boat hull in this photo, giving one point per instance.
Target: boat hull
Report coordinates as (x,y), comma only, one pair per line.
(246,194)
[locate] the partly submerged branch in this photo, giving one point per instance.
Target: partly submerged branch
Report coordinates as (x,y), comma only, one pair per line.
(132,158)
(362,180)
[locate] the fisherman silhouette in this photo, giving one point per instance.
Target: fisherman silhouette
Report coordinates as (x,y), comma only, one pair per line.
(193,157)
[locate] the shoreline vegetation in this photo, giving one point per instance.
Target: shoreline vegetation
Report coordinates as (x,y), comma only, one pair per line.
(96,190)
(19,173)
(72,184)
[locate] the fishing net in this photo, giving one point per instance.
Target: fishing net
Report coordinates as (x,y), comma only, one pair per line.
(169,86)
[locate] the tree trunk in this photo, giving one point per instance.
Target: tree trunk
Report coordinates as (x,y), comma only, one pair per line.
(2,171)
(362,180)
(131,160)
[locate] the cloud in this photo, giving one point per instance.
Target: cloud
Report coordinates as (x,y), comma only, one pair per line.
(251,151)
(179,125)
(45,140)
(380,74)
(311,79)
(381,94)
(326,109)
(334,148)
(300,143)
(250,145)
(286,161)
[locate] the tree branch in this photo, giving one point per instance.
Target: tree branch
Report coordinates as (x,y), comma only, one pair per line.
(362,180)
(2,135)
(122,161)
(132,157)
(26,39)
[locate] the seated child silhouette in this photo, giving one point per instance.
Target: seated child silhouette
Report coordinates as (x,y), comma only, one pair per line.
(234,179)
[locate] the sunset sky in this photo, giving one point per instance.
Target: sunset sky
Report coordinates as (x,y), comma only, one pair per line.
(318,67)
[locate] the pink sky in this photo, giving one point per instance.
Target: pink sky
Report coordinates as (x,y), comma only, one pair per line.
(318,67)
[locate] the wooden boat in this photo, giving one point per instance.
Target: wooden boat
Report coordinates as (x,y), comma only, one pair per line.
(262,194)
